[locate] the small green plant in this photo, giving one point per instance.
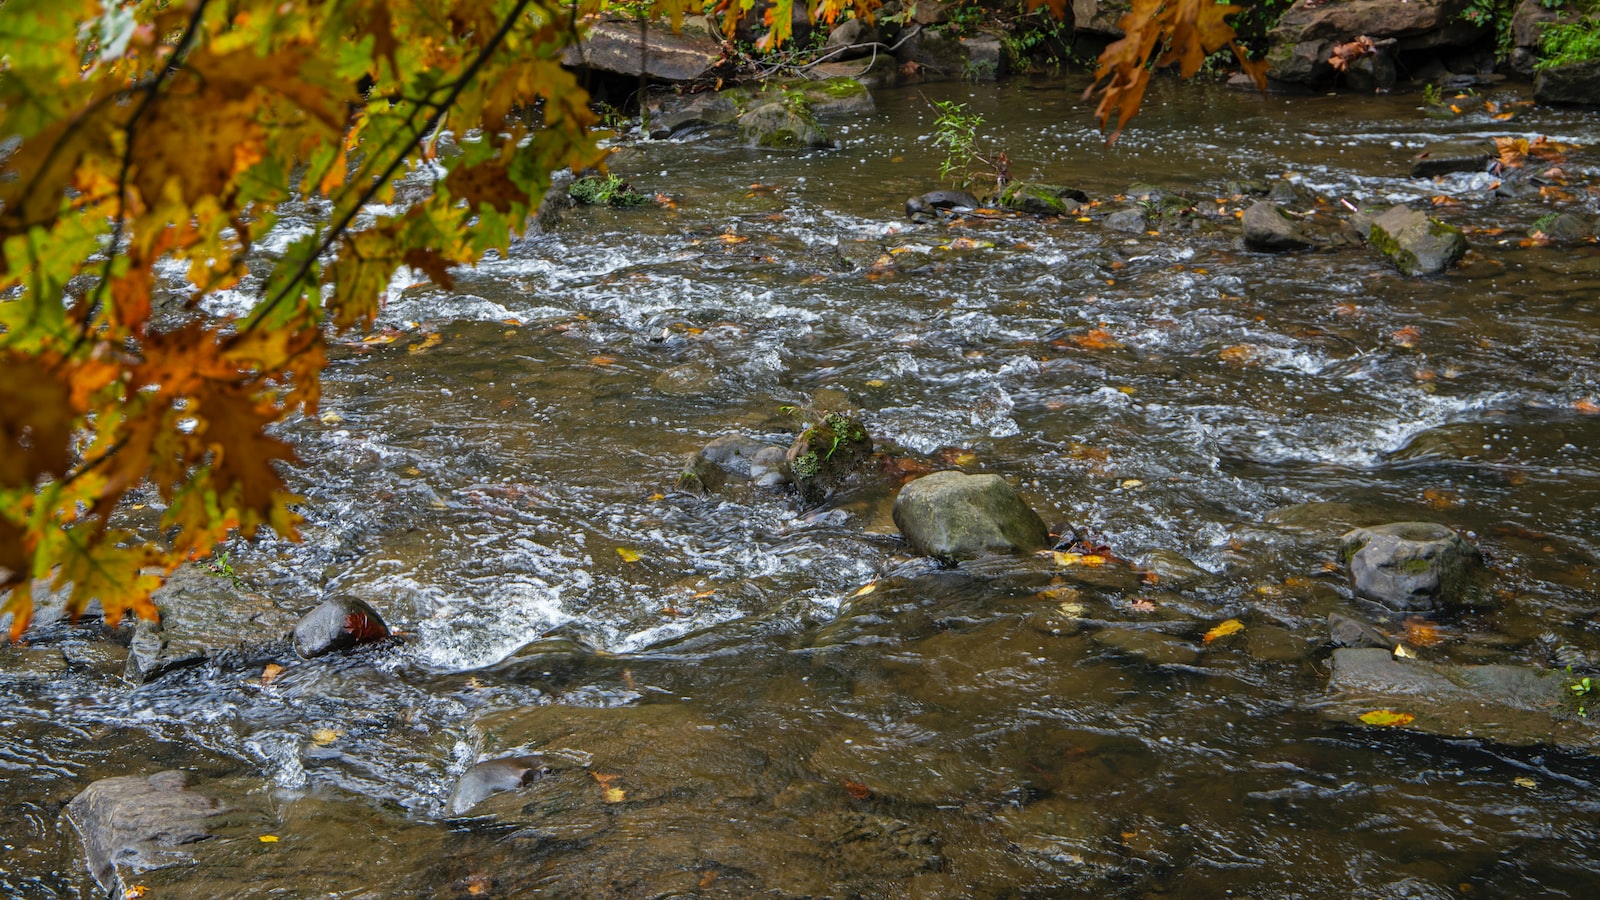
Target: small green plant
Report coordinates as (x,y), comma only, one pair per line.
(956,130)
(964,18)
(608,190)
(1581,690)
(221,567)
(1571,42)
(1432,95)
(1494,14)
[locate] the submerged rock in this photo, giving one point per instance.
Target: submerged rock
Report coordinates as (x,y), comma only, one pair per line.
(338,623)
(131,824)
(1409,565)
(1130,221)
(1512,705)
(1346,631)
(1415,243)
(1267,227)
(954,516)
(1454,156)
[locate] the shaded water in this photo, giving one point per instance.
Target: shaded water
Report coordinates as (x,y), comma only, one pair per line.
(1216,416)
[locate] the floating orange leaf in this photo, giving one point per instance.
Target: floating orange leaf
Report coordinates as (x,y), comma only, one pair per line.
(1422,633)
(1231,626)
(1406,337)
(1387,718)
(857,790)
(271,673)
(609,792)
(1238,355)
(1087,560)
(1096,339)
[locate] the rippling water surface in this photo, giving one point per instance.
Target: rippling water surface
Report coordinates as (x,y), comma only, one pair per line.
(1216,417)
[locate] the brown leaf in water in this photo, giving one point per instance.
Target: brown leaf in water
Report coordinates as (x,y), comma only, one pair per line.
(1422,633)
(857,790)
(1437,499)
(271,673)
(1406,337)
(1096,339)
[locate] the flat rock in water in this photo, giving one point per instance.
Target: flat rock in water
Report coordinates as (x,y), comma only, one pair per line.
(338,623)
(1455,156)
(131,824)
(780,125)
(953,516)
(1512,705)
(203,615)
(491,776)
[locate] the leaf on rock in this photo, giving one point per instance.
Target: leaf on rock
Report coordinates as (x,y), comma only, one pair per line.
(1387,718)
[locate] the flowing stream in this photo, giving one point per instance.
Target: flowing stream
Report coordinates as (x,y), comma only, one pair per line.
(1216,417)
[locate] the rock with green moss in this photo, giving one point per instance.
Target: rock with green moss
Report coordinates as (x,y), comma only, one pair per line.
(828,457)
(954,516)
(1040,199)
(782,124)
(1410,566)
(1416,244)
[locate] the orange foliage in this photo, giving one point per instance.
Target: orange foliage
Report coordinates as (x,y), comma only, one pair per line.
(1171,32)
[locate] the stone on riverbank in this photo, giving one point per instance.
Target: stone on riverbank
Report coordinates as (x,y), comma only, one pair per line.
(203,615)
(1577,84)
(1302,41)
(1268,228)
(1410,565)
(1415,243)
(954,516)
(338,623)
(615,47)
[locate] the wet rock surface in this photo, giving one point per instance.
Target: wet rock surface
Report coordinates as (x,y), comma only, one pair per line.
(1267,227)
(338,623)
(619,48)
(1410,565)
(1416,243)
(1506,704)
(953,515)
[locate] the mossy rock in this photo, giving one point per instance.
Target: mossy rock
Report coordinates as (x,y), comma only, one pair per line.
(828,457)
(786,124)
(1040,199)
(1410,565)
(1415,243)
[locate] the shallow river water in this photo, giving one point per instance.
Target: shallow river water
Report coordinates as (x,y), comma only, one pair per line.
(724,708)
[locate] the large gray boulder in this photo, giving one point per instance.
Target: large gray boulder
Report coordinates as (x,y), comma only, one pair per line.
(1305,35)
(1268,228)
(1415,243)
(955,516)
(618,47)
(1410,565)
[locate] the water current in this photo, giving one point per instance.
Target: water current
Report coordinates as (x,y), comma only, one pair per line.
(1215,417)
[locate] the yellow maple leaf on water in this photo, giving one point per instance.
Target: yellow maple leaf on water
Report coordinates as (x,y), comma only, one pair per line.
(1387,718)
(629,556)
(1231,626)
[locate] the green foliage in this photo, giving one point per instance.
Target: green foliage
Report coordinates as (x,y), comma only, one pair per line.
(1038,34)
(956,130)
(1580,692)
(1571,42)
(605,190)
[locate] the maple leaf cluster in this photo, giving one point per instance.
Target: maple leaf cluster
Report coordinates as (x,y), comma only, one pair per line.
(158,131)
(1169,32)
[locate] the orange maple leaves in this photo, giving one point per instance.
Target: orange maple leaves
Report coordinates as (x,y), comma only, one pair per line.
(1183,32)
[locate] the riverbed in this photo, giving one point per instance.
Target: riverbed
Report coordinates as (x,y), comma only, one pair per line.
(738,695)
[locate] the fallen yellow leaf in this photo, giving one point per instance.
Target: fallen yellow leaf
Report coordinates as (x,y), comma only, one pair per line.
(1087,560)
(1387,717)
(322,737)
(1226,628)
(268,839)
(271,673)
(1524,781)
(609,792)
(629,556)
(865,589)
(429,342)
